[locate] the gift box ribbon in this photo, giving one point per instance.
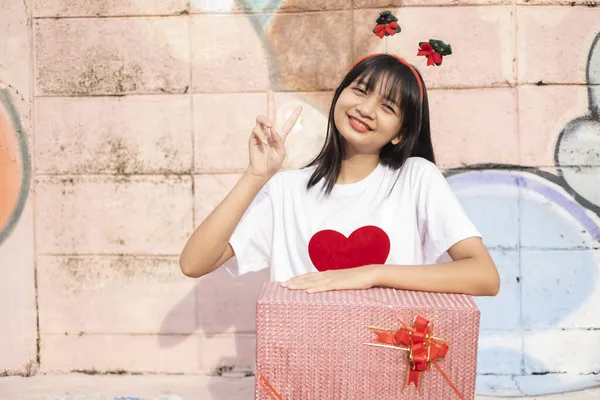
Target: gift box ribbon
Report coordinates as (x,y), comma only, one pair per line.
(423,348)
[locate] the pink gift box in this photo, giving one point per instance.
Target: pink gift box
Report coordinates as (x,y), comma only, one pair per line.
(314,346)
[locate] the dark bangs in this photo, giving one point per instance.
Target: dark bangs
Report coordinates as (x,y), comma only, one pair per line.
(385,82)
(394,81)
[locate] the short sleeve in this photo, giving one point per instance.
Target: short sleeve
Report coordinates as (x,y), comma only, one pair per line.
(442,220)
(252,238)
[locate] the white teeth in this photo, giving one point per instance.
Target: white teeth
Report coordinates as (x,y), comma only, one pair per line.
(359,123)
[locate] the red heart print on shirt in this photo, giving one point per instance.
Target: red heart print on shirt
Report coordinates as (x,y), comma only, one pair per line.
(329,249)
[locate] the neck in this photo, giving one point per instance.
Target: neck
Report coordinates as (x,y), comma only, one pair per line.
(357,167)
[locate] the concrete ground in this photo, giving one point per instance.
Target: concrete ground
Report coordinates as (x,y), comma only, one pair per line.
(163,387)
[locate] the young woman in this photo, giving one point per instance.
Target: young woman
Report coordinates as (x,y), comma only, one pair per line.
(372,209)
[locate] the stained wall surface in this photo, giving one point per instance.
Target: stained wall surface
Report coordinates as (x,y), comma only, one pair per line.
(123,123)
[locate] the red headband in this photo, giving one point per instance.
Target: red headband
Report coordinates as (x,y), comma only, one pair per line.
(402,61)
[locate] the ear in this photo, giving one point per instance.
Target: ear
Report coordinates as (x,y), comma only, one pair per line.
(398,138)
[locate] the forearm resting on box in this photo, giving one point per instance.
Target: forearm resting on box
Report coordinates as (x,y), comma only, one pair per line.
(208,247)
(466,276)
(472,272)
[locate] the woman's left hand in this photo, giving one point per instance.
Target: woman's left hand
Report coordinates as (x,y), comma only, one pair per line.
(341,279)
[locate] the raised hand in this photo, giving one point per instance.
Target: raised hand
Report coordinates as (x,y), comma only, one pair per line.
(266,144)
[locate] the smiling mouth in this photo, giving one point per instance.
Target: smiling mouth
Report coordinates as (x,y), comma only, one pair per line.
(358,125)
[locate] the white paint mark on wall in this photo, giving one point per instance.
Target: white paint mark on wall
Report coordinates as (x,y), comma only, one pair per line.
(213,5)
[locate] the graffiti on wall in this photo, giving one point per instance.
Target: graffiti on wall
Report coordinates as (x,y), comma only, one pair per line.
(15,167)
(579,143)
(553,234)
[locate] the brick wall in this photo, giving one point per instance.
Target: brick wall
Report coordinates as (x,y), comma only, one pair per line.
(136,115)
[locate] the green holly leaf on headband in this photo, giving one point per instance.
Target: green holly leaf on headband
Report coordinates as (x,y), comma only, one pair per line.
(386,17)
(440,47)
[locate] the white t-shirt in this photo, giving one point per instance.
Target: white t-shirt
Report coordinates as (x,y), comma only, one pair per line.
(408,216)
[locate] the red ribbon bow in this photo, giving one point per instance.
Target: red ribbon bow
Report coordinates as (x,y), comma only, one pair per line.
(422,346)
(381,29)
(433,57)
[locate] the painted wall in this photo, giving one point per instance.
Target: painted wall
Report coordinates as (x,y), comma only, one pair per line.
(122,124)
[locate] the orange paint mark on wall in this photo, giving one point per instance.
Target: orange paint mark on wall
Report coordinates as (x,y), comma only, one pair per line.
(10,167)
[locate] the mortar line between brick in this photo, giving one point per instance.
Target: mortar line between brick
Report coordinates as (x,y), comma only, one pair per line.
(108,255)
(277,11)
(121,177)
(194,334)
(520,260)
(519,198)
(201,334)
(327,90)
(32,125)
(352,34)
(516,76)
(192,116)
(291,12)
(519,203)
(122,16)
(193,141)
(174,175)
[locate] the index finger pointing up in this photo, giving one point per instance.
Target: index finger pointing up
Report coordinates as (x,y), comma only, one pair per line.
(271,106)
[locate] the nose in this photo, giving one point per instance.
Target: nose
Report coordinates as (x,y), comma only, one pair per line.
(366,108)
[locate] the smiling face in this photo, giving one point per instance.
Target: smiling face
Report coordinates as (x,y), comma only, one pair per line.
(368,114)
(379,109)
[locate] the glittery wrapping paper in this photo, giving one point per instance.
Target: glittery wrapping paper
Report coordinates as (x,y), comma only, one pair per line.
(312,346)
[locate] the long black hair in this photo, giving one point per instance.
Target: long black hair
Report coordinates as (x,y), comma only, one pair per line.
(398,84)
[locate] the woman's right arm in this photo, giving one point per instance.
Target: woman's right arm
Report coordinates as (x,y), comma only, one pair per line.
(208,248)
